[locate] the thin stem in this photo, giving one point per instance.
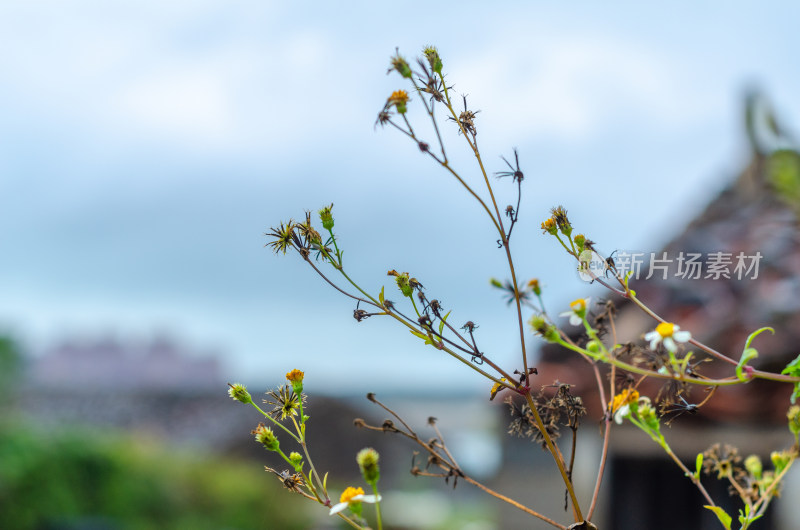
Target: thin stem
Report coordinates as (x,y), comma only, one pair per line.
(377,506)
(574,430)
(512,502)
(449,465)
(276,422)
(314,473)
(642,371)
(370,301)
(350,521)
(444,445)
(556,456)
(604,453)
(689,474)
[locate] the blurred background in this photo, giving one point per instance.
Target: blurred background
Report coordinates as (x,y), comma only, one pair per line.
(145,149)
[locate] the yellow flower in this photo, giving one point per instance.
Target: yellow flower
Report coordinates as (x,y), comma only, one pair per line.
(294,375)
(550,226)
(352,498)
(398,99)
(628,395)
(349,493)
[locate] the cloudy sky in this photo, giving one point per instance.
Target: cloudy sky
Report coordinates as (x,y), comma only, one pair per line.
(145,148)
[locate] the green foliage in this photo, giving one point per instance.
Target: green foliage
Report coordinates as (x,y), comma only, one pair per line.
(723,517)
(748,354)
(793,369)
(10,363)
(784,175)
(52,478)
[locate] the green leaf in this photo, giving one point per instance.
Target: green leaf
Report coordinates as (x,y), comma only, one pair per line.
(793,369)
(723,517)
(755,334)
(745,518)
(380,295)
(441,324)
(421,335)
(749,353)
(698,465)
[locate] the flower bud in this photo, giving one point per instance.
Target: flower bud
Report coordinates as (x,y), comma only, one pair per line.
(238,392)
(766,482)
(550,227)
(647,413)
(326,217)
(561,220)
(753,466)
(404,283)
(399,64)
(266,437)
(367,460)
(399,100)
(548,331)
(779,460)
(297,460)
(794,419)
(432,54)
(580,240)
(533,284)
(295,377)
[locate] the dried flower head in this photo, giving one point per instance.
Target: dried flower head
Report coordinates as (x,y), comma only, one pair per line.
(466,120)
(514,171)
(285,402)
(560,409)
(283,237)
(725,461)
(290,481)
(309,235)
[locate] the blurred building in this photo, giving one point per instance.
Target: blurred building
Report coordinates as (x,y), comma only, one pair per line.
(164,391)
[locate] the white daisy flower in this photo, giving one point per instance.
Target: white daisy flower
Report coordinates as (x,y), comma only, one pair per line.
(352,498)
(577,311)
(669,334)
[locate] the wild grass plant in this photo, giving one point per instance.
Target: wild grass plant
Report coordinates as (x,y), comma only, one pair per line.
(540,408)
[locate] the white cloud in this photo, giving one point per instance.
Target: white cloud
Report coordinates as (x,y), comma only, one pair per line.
(190,105)
(572,85)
